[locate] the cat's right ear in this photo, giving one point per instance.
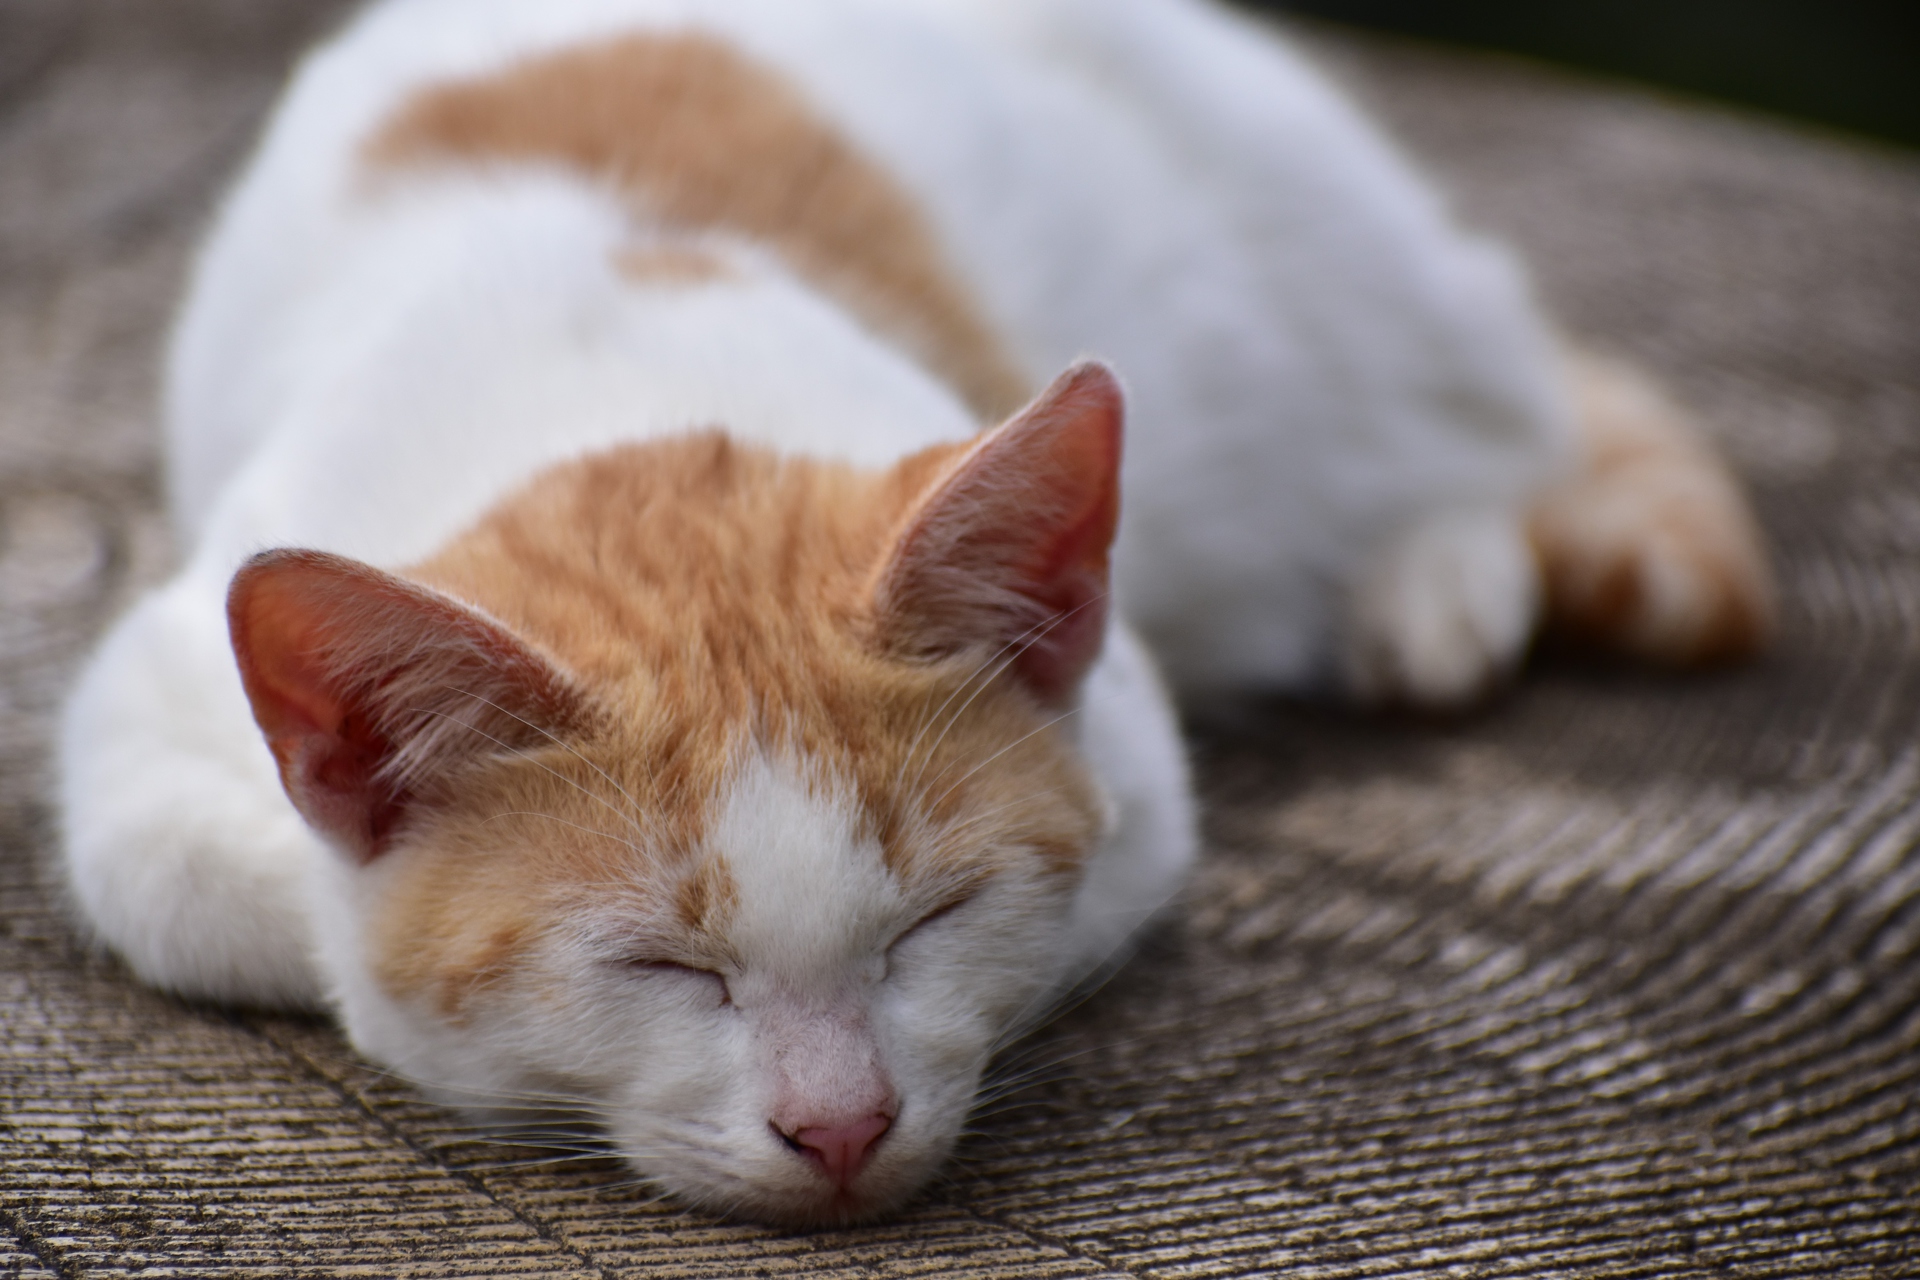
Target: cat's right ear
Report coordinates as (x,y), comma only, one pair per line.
(373,692)
(1008,548)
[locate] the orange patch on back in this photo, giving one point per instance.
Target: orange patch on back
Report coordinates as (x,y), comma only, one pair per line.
(670,265)
(698,136)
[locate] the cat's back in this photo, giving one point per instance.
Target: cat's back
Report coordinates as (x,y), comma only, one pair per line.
(334,226)
(482,237)
(925,164)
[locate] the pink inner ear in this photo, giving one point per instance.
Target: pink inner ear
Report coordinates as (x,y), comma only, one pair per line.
(330,772)
(1010,547)
(368,688)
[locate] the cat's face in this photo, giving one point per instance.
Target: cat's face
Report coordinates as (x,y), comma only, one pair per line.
(783,1007)
(745,817)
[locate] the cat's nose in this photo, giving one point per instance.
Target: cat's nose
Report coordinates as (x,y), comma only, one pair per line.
(840,1152)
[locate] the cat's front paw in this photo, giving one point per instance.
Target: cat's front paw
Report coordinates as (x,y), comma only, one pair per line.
(1443,611)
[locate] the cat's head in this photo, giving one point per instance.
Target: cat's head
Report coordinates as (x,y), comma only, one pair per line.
(733,798)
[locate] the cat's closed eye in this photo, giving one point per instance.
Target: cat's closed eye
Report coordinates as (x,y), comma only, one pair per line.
(921,926)
(712,983)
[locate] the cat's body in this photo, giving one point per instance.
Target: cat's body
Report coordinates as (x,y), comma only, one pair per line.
(821,705)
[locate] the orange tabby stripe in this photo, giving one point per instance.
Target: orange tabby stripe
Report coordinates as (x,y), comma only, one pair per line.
(698,136)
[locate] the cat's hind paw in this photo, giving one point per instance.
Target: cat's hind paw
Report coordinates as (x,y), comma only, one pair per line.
(1650,550)
(1443,613)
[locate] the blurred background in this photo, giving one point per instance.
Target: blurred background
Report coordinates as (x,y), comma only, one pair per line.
(1848,64)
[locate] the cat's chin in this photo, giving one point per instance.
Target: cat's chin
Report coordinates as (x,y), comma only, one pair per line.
(776,1189)
(837,1209)
(801,1209)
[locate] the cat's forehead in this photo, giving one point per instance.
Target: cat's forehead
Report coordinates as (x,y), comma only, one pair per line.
(811,885)
(708,568)
(713,600)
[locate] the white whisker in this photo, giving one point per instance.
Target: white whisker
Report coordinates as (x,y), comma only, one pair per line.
(1065,715)
(564,745)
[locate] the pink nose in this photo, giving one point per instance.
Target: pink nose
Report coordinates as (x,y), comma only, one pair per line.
(840,1152)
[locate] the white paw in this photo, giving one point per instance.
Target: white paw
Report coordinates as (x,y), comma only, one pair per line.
(1443,611)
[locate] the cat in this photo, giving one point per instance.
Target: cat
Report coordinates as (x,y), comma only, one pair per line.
(658,633)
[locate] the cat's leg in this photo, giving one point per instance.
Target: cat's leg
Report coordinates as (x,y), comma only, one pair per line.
(180,850)
(1649,548)
(1400,395)
(1450,381)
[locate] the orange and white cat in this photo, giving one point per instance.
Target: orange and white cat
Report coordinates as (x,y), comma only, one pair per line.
(613,664)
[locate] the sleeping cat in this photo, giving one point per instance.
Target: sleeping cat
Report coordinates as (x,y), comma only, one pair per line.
(659,632)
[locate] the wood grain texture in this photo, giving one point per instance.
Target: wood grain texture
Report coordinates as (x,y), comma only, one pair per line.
(1620,978)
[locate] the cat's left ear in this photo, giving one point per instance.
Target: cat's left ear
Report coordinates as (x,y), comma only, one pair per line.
(375,693)
(1008,548)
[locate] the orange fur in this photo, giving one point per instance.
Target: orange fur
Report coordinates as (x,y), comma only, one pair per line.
(706,595)
(707,896)
(670,264)
(1650,549)
(698,136)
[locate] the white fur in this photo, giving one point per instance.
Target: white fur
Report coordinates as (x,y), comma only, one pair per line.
(1338,405)
(1446,607)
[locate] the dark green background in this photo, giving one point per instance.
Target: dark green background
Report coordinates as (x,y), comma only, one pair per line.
(1852,64)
